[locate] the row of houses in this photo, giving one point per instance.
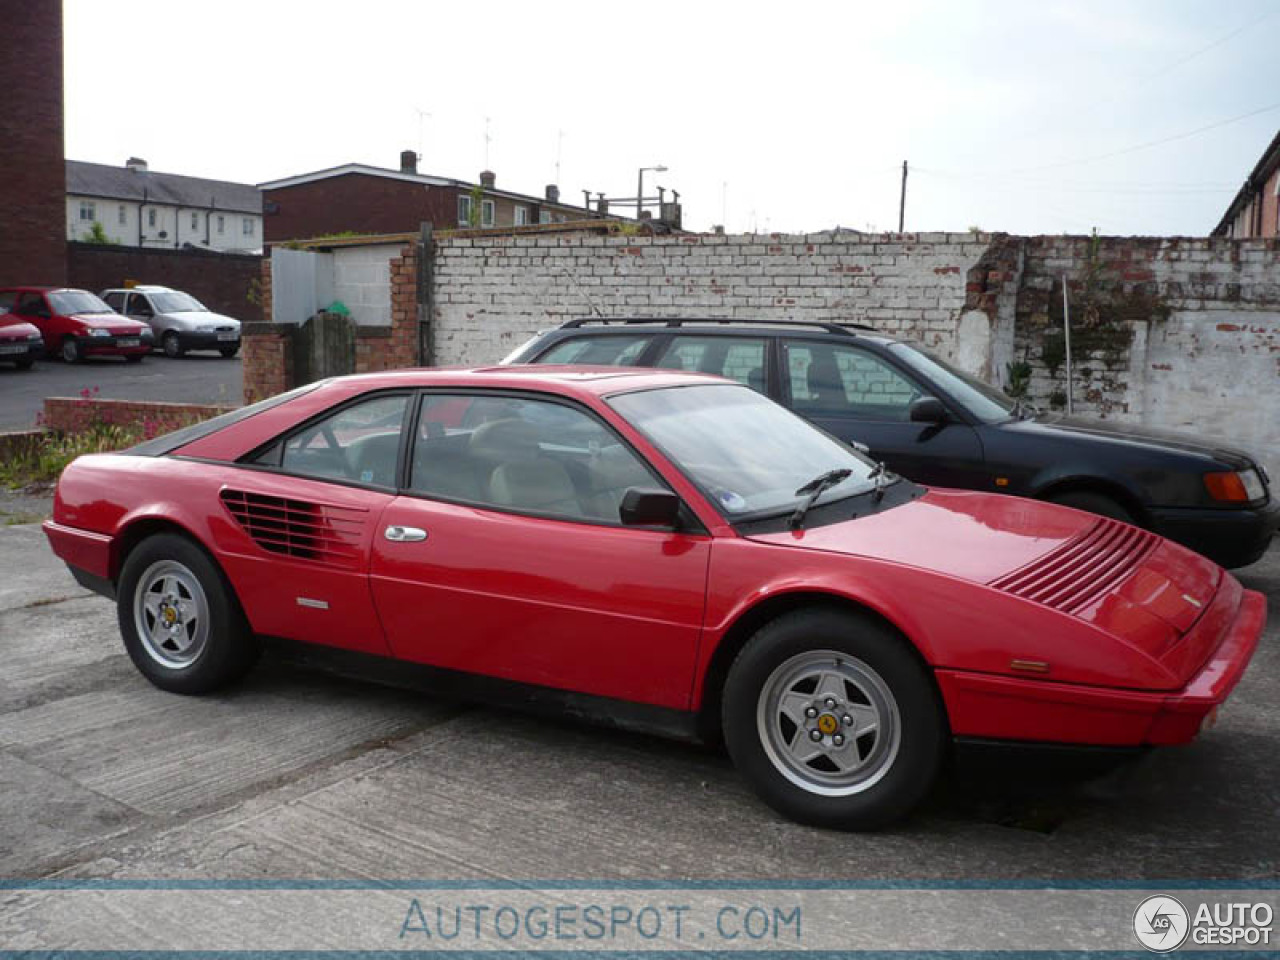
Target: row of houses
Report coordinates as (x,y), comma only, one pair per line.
(136,206)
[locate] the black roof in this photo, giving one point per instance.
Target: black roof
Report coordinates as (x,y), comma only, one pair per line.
(121,183)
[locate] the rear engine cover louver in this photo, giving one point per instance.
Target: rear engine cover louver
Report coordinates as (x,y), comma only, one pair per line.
(1076,574)
(298,528)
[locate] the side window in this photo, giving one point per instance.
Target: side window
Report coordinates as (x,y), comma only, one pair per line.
(524,455)
(611,351)
(138,306)
(32,305)
(738,358)
(115,300)
(7,299)
(827,379)
(358,444)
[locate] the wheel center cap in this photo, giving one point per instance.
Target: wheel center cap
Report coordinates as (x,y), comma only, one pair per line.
(828,724)
(170,615)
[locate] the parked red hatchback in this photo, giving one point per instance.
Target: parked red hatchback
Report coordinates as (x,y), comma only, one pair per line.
(76,324)
(666,550)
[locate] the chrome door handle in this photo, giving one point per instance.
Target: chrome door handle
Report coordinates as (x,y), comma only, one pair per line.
(405,534)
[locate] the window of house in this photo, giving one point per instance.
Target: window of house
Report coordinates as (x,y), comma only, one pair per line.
(488,213)
(195,221)
(544,216)
(246,227)
(222,222)
(151,218)
(88,211)
(464,211)
(521,217)
(121,215)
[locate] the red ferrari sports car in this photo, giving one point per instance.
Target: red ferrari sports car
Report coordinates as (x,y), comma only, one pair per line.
(659,549)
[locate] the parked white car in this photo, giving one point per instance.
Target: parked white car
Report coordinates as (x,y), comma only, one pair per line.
(180,321)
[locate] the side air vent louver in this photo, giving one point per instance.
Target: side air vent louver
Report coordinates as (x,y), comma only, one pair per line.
(1082,570)
(298,528)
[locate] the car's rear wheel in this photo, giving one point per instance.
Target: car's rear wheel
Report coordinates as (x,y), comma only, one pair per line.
(172,345)
(228,351)
(1092,502)
(71,352)
(181,623)
(25,364)
(133,357)
(833,720)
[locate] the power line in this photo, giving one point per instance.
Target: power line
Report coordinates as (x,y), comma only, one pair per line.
(1209,46)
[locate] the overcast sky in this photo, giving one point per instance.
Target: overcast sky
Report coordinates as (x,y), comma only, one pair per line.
(1019,116)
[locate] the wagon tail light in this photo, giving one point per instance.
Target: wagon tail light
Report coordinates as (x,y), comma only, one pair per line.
(1231,486)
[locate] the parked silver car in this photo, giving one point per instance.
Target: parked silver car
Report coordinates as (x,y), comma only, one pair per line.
(179,320)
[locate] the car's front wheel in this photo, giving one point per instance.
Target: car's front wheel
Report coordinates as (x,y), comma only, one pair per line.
(228,352)
(181,623)
(833,720)
(172,345)
(71,352)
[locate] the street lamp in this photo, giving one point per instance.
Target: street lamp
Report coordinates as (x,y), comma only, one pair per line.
(640,186)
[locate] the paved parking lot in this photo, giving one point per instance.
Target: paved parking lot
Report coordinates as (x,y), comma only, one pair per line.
(195,378)
(296,774)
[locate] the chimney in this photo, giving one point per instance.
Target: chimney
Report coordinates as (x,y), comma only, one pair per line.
(136,164)
(553,193)
(488,178)
(408,161)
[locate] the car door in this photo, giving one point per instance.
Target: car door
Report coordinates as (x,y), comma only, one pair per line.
(506,557)
(862,397)
(139,308)
(306,511)
(34,308)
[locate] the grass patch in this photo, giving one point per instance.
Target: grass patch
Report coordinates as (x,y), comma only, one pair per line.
(42,461)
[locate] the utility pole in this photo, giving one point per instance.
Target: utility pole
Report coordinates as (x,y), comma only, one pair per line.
(902,200)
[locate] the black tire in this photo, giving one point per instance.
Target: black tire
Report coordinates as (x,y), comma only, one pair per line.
(70,350)
(227,649)
(228,352)
(171,345)
(25,364)
(133,357)
(1091,502)
(899,770)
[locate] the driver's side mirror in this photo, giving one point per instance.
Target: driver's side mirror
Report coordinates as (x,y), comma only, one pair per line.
(928,410)
(646,507)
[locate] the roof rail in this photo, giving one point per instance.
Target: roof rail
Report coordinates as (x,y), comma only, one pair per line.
(845,328)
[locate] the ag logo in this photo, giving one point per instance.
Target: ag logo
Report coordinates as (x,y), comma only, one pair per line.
(1161,923)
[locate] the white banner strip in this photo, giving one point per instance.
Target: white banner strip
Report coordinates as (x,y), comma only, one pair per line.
(571,919)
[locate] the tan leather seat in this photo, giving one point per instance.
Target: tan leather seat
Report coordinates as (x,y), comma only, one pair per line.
(539,486)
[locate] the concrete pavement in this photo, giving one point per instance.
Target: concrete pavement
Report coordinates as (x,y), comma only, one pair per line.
(295,774)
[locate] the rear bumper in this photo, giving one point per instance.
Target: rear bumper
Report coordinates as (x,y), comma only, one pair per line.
(195,340)
(1009,708)
(81,550)
(1230,538)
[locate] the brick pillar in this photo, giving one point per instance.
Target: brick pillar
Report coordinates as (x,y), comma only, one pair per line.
(403,349)
(267,349)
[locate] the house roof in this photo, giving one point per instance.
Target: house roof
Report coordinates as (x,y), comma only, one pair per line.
(425,179)
(1261,173)
(121,183)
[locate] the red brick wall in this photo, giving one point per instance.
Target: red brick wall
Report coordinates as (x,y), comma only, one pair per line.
(223,282)
(33,179)
(355,202)
(68,414)
(267,352)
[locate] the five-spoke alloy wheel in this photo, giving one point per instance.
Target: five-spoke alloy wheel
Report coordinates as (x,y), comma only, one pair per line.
(182,625)
(833,718)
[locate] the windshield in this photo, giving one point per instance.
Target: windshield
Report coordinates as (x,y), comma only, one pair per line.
(989,404)
(742,450)
(175,301)
(68,302)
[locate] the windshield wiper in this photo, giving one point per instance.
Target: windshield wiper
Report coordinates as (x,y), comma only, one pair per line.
(812,490)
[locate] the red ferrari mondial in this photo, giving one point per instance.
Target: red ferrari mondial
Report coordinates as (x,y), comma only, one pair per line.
(662,549)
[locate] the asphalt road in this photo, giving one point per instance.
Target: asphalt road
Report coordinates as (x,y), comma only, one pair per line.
(297,774)
(195,378)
